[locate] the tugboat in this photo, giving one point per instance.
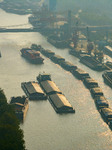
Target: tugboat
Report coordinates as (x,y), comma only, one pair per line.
(47,84)
(20,106)
(107,75)
(32,55)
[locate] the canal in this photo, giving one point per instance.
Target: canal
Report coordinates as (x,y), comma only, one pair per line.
(43,128)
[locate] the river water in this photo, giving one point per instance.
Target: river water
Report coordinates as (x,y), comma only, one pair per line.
(43,127)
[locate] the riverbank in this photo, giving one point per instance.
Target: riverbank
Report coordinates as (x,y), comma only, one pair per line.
(18,7)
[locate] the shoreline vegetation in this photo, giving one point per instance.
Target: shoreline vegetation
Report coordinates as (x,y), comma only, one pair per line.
(11,136)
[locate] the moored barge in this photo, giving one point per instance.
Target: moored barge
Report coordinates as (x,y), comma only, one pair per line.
(33,91)
(58,43)
(68,66)
(106,114)
(21,106)
(101,102)
(57,59)
(107,75)
(90,83)
(97,91)
(60,103)
(108,50)
(47,53)
(77,52)
(92,63)
(80,74)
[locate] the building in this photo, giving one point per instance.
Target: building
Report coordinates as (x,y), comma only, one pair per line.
(52,5)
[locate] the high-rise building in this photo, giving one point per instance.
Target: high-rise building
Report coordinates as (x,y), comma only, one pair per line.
(52,5)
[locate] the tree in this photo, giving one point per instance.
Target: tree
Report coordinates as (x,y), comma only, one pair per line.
(11,136)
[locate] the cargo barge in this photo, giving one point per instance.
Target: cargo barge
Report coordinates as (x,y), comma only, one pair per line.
(21,106)
(47,84)
(58,43)
(47,53)
(60,103)
(80,74)
(92,63)
(90,83)
(33,91)
(106,114)
(57,59)
(97,91)
(77,52)
(55,96)
(68,66)
(109,65)
(32,55)
(107,75)
(101,102)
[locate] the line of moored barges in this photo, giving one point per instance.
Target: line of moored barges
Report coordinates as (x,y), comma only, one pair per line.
(96,92)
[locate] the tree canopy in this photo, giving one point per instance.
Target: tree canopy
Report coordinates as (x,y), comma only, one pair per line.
(11,136)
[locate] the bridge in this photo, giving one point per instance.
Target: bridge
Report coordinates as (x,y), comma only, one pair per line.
(2,30)
(31,29)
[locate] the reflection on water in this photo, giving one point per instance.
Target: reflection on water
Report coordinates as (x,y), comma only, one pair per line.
(43,128)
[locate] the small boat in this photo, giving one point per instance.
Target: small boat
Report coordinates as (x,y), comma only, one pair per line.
(20,106)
